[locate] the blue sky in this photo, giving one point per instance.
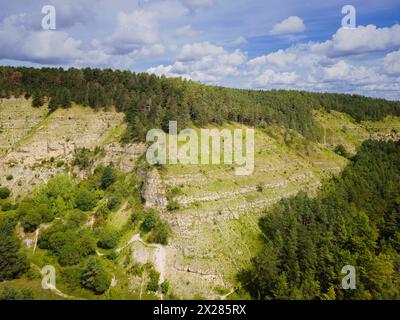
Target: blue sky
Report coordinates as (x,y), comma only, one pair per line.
(247,44)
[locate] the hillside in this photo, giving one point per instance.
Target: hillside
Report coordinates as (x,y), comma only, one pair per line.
(213,214)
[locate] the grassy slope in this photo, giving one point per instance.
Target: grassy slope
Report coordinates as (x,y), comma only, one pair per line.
(218,236)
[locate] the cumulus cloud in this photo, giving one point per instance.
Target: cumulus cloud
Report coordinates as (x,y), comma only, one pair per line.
(279,58)
(134,30)
(293,24)
(204,62)
(271,77)
(18,42)
(392,63)
(363,39)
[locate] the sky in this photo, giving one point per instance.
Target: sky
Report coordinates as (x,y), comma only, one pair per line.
(252,44)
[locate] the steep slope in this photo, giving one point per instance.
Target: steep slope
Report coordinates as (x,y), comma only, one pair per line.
(215,229)
(39,146)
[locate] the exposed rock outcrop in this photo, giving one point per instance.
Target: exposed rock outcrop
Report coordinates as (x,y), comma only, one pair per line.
(153,190)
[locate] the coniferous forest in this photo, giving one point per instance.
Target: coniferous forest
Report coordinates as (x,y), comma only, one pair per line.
(353,221)
(151,102)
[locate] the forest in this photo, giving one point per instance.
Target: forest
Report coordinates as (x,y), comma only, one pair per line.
(151,102)
(353,221)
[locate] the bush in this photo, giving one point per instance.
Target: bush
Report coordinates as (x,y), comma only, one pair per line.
(60,163)
(136,217)
(152,285)
(108,177)
(71,276)
(341,151)
(6,206)
(102,211)
(160,234)
(37,100)
(95,277)
(75,218)
(165,287)
(82,158)
(108,238)
(45,212)
(9,177)
(113,202)
(85,199)
(10,293)
(173,205)
(151,219)
(31,221)
(4,193)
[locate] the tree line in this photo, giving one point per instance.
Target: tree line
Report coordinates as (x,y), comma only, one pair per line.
(151,102)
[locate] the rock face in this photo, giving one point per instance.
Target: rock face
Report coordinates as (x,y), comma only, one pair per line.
(122,156)
(34,147)
(153,191)
(386,136)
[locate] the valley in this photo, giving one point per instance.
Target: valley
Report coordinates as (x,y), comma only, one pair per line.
(213,214)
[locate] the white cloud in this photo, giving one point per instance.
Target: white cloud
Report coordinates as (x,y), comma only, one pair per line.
(134,30)
(238,41)
(292,24)
(363,39)
(280,58)
(392,62)
(49,47)
(186,31)
(204,62)
(361,75)
(271,77)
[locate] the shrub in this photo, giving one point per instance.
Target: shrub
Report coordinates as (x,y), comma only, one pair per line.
(173,205)
(108,238)
(341,151)
(10,293)
(6,206)
(113,202)
(95,277)
(136,217)
(108,177)
(75,218)
(151,219)
(85,199)
(9,177)
(4,193)
(154,276)
(102,211)
(82,158)
(165,287)
(60,163)
(71,276)
(37,100)
(31,221)
(160,234)
(45,212)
